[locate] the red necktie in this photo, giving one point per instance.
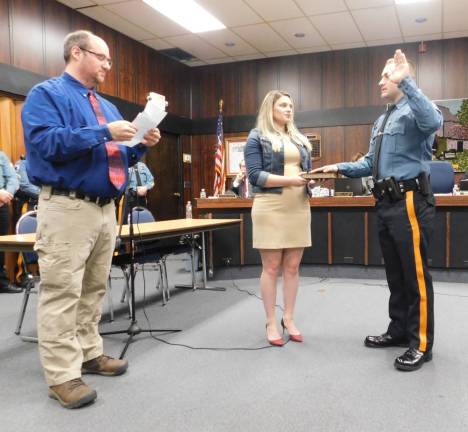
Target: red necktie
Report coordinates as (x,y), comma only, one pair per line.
(114,157)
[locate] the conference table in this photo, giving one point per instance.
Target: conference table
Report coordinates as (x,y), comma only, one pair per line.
(142,231)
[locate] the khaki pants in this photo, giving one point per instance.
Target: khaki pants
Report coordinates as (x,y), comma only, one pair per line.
(75,241)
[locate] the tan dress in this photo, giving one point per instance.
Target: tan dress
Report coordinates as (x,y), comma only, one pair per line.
(283,220)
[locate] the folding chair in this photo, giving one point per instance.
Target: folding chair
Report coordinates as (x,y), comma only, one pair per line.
(26,224)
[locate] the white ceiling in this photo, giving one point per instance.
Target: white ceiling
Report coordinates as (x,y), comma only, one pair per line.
(266,28)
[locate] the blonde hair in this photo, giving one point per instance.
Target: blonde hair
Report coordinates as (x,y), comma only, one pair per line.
(266,124)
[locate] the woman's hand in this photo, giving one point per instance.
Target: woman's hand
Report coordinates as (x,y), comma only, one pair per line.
(296,180)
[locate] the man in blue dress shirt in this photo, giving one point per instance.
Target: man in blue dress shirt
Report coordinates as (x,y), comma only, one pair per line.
(71,135)
(400,147)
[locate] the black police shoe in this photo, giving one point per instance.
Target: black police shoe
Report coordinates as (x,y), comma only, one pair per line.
(10,289)
(412,359)
(384,341)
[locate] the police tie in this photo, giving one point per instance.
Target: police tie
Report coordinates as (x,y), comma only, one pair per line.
(114,157)
(378,143)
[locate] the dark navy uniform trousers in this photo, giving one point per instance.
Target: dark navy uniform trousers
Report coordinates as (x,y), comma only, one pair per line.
(406,229)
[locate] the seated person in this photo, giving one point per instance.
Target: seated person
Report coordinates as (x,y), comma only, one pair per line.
(140,181)
(27,192)
(241,186)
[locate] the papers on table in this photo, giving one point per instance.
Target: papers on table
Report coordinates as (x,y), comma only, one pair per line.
(152,115)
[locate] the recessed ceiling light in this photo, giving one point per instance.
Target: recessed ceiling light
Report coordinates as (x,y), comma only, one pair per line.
(230,44)
(402,2)
(188,14)
(299,35)
(420,20)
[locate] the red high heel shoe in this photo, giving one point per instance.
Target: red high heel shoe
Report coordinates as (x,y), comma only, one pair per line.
(275,342)
(293,337)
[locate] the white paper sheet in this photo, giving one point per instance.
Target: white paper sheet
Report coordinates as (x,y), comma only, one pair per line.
(152,115)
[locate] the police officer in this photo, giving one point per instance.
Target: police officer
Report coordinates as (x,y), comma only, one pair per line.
(8,186)
(140,181)
(400,147)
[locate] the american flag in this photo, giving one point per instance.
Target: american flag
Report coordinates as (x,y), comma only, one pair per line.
(220,172)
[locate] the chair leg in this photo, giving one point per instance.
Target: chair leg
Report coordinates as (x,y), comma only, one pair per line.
(161,282)
(124,291)
(24,305)
(109,299)
(168,291)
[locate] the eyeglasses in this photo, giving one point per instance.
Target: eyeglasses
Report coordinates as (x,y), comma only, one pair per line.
(100,57)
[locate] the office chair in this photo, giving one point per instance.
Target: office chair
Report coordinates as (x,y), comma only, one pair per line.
(26,224)
(145,254)
(442,177)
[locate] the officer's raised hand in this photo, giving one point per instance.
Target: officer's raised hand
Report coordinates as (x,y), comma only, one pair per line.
(401,69)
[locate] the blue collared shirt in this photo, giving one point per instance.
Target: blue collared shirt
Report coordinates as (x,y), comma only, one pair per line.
(408,137)
(146,177)
(8,178)
(65,144)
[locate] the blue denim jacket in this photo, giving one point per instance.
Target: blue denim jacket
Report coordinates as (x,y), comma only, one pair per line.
(407,138)
(261,160)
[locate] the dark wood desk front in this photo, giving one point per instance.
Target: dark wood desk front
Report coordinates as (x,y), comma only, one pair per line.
(344,231)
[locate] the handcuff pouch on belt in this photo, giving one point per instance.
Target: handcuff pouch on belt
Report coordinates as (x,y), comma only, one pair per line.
(395,190)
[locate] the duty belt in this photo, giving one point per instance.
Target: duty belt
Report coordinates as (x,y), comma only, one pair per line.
(395,190)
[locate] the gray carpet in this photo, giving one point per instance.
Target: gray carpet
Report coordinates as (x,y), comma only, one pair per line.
(331,382)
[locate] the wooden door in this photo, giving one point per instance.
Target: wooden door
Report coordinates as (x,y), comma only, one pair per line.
(164,160)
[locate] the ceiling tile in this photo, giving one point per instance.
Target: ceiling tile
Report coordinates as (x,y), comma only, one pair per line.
(262,37)
(77,3)
(281,53)
(221,60)
(196,46)
(337,28)
(455,34)
(194,63)
(381,42)
(287,29)
(408,14)
(272,10)
(321,7)
(362,4)
(146,17)
(116,22)
(104,2)
(250,57)
(219,38)
(231,13)
(157,44)
(313,49)
(425,37)
(348,45)
(377,23)
(455,15)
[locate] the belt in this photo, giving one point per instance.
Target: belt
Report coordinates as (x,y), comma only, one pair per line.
(409,185)
(100,201)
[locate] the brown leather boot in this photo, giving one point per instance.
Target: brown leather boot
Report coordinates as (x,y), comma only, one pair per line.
(104,365)
(73,394)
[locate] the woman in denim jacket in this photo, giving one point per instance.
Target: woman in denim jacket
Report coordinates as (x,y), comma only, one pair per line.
(276,154)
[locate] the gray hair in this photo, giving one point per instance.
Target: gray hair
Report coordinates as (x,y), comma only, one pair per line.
(79,38)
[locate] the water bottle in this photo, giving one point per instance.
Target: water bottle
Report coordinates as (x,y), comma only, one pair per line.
(188,210)
(203,193)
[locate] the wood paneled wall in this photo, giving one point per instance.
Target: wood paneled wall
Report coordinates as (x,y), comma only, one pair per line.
(341,79)
(31,38)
